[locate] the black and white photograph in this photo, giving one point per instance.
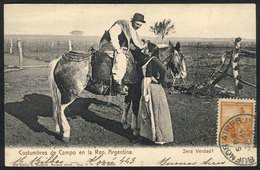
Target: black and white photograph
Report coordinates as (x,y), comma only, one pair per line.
(130,85)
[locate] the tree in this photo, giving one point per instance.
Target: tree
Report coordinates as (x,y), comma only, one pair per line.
(163,28)
(76,32)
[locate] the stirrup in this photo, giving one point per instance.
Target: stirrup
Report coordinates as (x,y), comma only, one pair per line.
(121,89)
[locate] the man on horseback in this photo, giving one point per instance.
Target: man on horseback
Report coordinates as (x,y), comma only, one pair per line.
(118,42)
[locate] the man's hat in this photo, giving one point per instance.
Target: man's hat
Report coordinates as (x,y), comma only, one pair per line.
(138,17)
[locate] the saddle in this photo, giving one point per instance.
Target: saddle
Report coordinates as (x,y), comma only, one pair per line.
(101,79)
(76,56)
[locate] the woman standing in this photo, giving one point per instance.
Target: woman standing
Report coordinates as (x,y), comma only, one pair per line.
(155,117)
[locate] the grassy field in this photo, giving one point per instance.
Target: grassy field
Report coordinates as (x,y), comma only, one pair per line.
(28,119)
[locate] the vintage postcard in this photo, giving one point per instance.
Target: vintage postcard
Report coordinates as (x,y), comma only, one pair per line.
(107,85)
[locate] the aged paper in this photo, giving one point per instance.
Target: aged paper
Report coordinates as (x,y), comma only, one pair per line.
(202,114)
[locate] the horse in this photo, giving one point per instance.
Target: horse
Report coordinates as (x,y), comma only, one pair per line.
(175,64)
(69,77)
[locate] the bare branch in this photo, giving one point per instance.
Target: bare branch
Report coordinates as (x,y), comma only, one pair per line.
(163,28)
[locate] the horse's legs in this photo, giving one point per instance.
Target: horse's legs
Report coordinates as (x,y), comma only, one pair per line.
(174,79)
(134,124)
(55,111)
(65,127)
(56,96)
(126,107)
(184,82)
(134,127)
(135,107)
(56,103)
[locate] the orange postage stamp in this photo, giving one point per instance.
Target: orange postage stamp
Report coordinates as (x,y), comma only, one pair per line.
(236,129)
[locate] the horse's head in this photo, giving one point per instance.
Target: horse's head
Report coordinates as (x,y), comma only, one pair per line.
(175,60)
(169,55)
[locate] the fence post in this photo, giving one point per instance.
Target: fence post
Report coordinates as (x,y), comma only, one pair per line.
(52,44)
(58,43)
(198,64)
(235,66)
(46,49)
(11,46)
(70,46)
(20,53)
(51,49)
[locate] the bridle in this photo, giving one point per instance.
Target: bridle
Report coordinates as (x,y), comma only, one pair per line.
(154,50)
(170,60)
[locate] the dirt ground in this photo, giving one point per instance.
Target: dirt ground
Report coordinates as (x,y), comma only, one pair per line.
(28,119)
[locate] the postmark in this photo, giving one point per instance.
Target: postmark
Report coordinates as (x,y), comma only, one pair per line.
(236,130)
(95,133)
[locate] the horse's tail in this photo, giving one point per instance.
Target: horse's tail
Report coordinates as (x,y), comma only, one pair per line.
(56,95)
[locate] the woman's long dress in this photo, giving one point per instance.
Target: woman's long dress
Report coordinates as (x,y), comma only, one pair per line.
(155,123)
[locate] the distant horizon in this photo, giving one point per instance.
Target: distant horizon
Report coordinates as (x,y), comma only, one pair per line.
(140,36)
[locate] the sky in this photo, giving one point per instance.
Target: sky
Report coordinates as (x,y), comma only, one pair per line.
(191,20)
